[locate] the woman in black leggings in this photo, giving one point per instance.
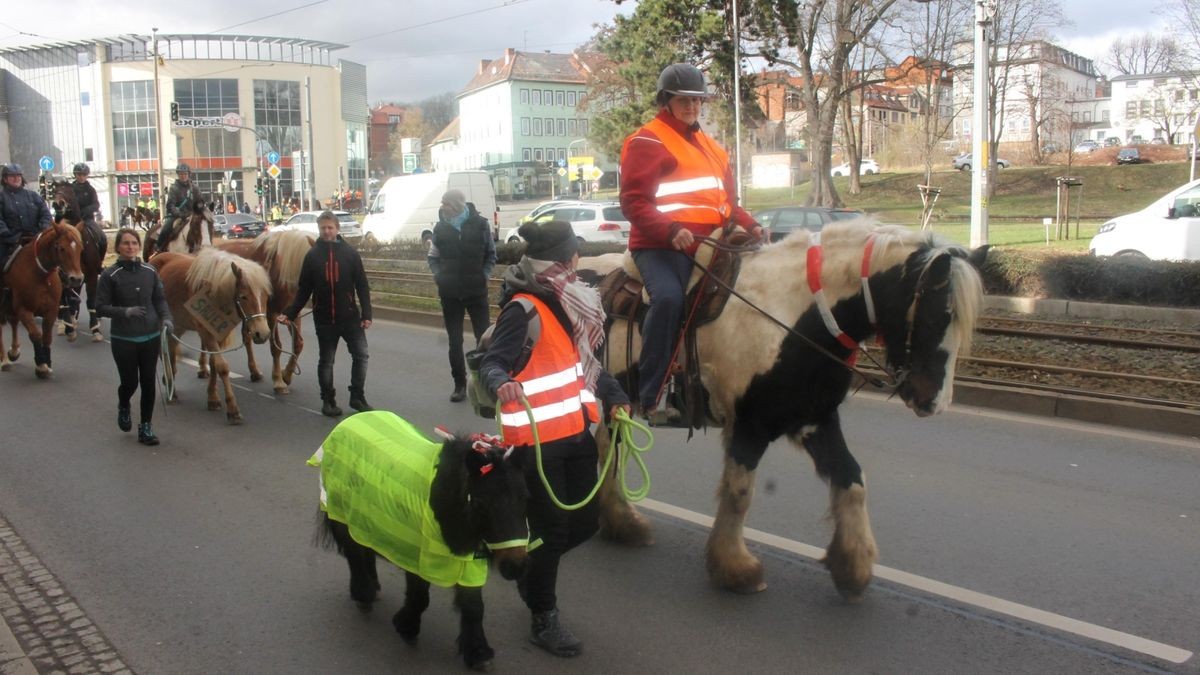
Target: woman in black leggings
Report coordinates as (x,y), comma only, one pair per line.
(131,294)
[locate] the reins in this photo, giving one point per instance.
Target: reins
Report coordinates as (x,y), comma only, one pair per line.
(868,378)
(620,442)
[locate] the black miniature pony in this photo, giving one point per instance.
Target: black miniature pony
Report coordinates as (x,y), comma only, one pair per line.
(477,500)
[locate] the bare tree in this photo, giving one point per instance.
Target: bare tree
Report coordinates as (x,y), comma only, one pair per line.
(819,38)
(1145,54)
(1168,106)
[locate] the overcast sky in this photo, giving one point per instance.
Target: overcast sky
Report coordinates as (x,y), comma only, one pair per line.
(414,49)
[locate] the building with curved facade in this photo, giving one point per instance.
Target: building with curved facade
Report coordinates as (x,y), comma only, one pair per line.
(235,100)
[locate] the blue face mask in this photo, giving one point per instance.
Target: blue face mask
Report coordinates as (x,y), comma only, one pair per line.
(457,221)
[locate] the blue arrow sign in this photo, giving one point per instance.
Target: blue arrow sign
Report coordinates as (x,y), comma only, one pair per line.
(562,163)
(273,157)
(46,163)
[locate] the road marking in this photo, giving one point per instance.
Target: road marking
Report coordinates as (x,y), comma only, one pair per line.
(958,594)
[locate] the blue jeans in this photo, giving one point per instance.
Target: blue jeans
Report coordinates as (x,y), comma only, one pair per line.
(356,342)
(665,274)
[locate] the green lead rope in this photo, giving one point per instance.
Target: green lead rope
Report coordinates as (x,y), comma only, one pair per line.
(620,445)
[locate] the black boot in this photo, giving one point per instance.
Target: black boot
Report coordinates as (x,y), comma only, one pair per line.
(359,402)
(329,406)
(124,420)
(546,632)
(146,434)
(460,392)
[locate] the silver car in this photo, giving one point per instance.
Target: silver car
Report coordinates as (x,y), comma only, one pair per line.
(592,221)
(306,221)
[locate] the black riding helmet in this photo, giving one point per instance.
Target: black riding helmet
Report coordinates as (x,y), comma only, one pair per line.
(11,170)
(81,168)
(680,79)
(183,168)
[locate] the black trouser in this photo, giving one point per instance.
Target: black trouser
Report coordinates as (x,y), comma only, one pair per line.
(356,343)
(68,306)
(452,313)
(137,365)
(570,466)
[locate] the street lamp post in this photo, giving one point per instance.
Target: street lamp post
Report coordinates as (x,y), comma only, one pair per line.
(981,124)
(160,198)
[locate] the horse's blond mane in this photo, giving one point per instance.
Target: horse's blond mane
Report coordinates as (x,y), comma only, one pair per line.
(215,267)
(287,249)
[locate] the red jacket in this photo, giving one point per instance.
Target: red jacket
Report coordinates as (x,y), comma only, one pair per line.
(644,163)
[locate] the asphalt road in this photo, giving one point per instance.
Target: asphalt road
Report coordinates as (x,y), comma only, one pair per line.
(196,556)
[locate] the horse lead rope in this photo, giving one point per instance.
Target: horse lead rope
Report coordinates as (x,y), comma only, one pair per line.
(620,428)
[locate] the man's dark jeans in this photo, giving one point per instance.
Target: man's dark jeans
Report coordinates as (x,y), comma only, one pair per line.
(356,343)
(453,310)
(665,274)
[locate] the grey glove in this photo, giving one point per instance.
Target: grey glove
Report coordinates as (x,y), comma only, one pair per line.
(168,325)
(135,312)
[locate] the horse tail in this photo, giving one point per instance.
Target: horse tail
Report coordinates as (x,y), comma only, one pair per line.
(325,533)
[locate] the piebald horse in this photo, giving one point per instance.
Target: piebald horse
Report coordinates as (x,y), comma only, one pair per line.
(235,286)
(765,381)
(282,255)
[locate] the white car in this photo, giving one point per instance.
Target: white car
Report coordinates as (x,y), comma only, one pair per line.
(306,221)
(866,167)
(592,221)
(1168,229)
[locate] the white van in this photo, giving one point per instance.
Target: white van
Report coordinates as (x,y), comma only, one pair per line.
(406,207)
(1168,229)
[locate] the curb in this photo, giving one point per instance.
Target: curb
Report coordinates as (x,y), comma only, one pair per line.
(1011,399)
(1092,310)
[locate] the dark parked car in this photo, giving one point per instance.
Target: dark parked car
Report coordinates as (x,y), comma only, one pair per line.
(238,225)
(783,220)
(1129,156)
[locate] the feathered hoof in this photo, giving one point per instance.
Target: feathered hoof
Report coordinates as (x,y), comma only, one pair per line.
(282,391)
(407,625)
(850,579)
(97,336)
(201,374)
(214,405)
(14,354)
(43,372)
(477,657)
(743,576)
(60,328)
(73,336)
(234,419)
(256,376)
(629,529)
(174,400)
(5,367)
(287,377)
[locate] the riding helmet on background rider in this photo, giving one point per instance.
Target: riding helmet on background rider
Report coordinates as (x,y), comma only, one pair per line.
(181,199)
(85,195)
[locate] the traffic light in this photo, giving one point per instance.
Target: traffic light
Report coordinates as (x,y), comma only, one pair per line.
(258,186)
(579,175)
(174,111)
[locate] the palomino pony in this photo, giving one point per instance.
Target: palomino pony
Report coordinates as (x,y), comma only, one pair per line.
(235,287)
(433,509)
(282,255)
(34,290)
(765,380)
(91,259)
(190,234)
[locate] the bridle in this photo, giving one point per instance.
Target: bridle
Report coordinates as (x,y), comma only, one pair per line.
(37,256)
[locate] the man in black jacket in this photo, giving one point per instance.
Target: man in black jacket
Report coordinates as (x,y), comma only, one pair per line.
(461,258)
(332,275)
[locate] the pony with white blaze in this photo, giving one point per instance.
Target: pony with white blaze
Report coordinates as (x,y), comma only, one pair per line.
(779,360)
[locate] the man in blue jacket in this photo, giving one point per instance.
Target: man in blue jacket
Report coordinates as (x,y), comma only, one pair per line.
(23,213)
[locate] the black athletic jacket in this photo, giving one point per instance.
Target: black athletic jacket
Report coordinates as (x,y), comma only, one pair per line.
(332,275)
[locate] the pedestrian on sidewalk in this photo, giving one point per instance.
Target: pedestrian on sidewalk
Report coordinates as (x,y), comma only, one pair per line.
(461,257)
(545,304)
(333,274)
(130,293)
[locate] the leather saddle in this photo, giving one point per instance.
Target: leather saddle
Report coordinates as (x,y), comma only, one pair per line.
(624,298)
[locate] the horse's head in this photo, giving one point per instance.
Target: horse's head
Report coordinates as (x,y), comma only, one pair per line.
(65,247)
(250,298)
(945,297)
(62,198)
(478,497)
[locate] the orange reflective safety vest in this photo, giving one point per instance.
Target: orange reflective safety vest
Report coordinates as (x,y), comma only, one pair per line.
(553,384)
(695,191)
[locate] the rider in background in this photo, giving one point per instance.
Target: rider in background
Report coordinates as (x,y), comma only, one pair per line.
(676,185)
(181,199)
(131,294)
(87,204)
(543,347)
(23,213)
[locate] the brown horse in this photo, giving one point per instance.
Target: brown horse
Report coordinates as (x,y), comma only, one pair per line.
(140,216)
(91,261)
(282,254)
(235,287)
(34,289)
(190,234)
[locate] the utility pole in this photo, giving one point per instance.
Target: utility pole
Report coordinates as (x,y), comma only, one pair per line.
(981,124)
(160,197)
(312,173)
(737,102)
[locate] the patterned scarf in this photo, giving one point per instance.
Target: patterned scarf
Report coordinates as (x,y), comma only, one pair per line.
(582,305)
